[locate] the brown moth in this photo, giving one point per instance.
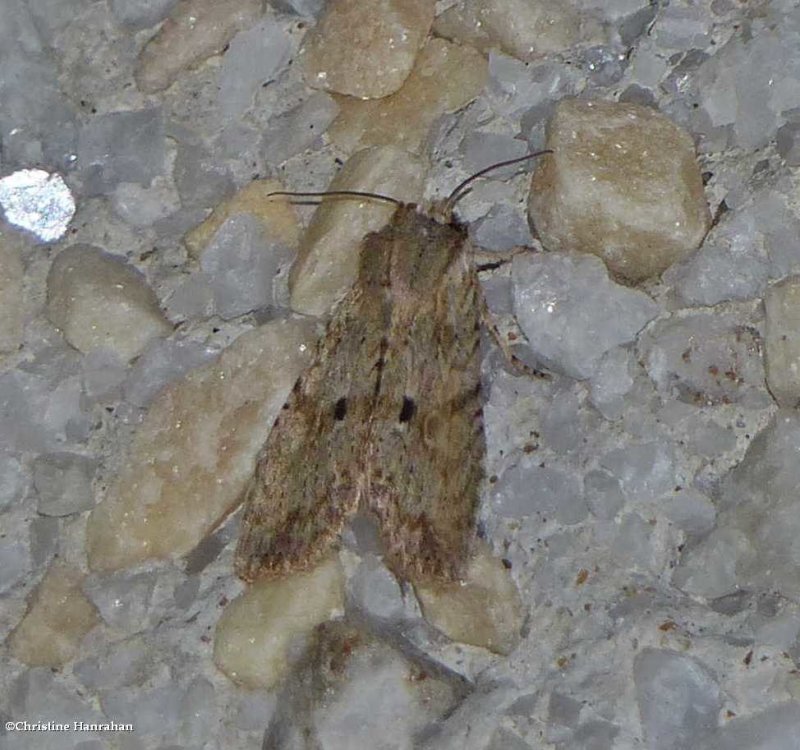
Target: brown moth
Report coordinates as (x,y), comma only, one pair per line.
(388,417)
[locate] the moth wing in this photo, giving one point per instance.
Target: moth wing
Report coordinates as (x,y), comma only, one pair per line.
(425,467)
(308,474)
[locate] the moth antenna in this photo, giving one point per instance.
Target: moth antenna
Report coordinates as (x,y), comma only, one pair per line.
(337,194)
(460,190)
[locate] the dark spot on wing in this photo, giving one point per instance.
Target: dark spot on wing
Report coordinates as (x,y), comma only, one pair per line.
(407,410)
(340,409)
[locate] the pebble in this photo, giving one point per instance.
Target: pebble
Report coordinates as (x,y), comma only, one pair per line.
(603,494)
(11,309)
(474,724)
(196,30)
(691,511)
(709,357)
(195,450)
(301,127)
(754,543)
(123,663)
(503,228)
(15,556)
(255,57)
(14,479)
(679,698)
(740,254)
(157,710)
(37,201)
(645,471)
(43,691)
(164,361)
(64,483)
(202,180)
(572,313)
(612,381)
(623,183)
(309,8)
(134,601)
(59,616)
(709,568)
(127,146)
(42,406)
(774,728)
(256,631)
(484,610)
(445,78)
(759,498)
(141,14)
(327,260)
(524,29)
(240,263)
(277,217)
(557,495)
(787,142)
(142,206)
(782,341)
(364,686)
(373,591)
(365,50)
(99,302)
(524,93)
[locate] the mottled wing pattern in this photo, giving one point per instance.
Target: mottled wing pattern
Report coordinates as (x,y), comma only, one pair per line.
(426,444)
(306,482)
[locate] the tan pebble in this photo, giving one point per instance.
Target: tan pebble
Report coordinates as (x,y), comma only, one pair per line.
(100,302)
(484,610)
(276,216)
(525,29)
(445,78)
(58,617)
(195,450)
(327,260)
(256,631)
(11,309)
(365,49)
(196,30)
(623,183)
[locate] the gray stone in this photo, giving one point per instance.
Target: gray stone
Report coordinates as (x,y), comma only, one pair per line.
(141,14)
(134,601)
(202,181)
(308,8)
(254,57)
(14,562)
(691,511)
(374,591)
(645,470)
(705,357)
(121,147)
(603,494)
(240,263)
(292,132)
(531,489)
(775,728)
(572,313)
(503,228)
(64,483)
(678,698)
(15,480)
(163,362)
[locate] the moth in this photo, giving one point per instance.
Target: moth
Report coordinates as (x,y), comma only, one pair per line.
(388,417)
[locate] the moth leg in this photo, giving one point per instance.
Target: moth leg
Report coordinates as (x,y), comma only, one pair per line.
(523,368)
